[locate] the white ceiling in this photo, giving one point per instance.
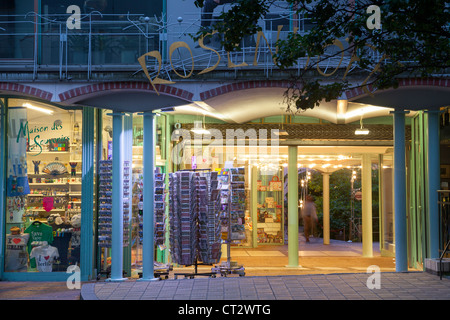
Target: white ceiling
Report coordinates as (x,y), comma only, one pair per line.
(246,105)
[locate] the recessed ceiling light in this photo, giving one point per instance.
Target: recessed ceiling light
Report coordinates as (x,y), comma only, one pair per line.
(362,131)
(30,106)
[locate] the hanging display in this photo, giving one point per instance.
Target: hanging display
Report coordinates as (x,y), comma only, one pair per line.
(232,215)
(194,217)
(105,204)
(160,209)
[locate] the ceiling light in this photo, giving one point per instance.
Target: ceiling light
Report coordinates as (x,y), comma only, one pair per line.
(30,106)
(199,129)
(362,131)
(281,133)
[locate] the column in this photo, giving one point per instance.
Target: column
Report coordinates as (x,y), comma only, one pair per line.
(254,204)
(117,204)
(87,191)
(148,245)
(2,180)
(367,232)
(292,207)
(326,207)
(401,245)
(433,173)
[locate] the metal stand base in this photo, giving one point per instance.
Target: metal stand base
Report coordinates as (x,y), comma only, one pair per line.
(196,273)
(227,268)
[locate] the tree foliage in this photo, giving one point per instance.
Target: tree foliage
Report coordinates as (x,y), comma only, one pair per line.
(414,40)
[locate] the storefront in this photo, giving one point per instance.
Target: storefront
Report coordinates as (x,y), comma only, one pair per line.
(42,149)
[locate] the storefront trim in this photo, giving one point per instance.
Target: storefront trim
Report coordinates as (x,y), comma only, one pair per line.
(86,252)
(2,183)
(87,194)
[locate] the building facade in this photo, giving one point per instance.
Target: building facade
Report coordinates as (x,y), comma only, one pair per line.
(88,86)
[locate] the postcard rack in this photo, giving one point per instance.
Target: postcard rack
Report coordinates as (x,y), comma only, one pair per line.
(233,212)
(194,220)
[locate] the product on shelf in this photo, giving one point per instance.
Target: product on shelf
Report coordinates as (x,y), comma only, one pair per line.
(105,204)
(270,209)
(237,204)
(160,209)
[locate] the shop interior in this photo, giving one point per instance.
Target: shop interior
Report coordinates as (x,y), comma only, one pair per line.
(48,155)
(43,201)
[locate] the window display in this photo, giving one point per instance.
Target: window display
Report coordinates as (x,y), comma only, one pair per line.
(43,204)
(270,207)
(16,258)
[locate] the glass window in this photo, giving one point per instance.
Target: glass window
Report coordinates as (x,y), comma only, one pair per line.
(149,8)
(43,203)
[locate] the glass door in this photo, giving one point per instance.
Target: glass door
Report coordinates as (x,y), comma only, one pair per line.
(417,221)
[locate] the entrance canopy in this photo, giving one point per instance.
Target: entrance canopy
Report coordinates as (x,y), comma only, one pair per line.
(409,98)
(132,101)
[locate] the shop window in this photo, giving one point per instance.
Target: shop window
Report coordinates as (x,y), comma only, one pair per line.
(43,193)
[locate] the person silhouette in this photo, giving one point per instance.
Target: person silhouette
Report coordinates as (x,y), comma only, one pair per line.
(309,215)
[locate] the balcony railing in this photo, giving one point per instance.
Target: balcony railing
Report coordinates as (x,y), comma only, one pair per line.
(35,44)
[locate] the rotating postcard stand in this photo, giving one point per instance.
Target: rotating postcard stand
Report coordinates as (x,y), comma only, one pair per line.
(194,220)
(160,270)
(233,214)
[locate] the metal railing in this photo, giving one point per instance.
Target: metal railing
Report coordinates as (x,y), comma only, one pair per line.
(114,42)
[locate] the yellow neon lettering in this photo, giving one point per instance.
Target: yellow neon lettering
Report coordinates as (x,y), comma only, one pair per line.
(176,45)
(156,80)
(200,42)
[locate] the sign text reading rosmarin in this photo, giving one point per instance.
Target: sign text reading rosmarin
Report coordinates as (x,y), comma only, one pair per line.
(181,44)
(237,145)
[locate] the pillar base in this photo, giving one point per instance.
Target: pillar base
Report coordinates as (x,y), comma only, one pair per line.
(116,279)
(148,279)
(294,267)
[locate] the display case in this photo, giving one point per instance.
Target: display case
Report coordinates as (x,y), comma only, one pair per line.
(270,206)
(55,185)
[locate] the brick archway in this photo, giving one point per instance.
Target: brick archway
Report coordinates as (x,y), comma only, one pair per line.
(25,90)
(79,93)
(242,86)
(403,83)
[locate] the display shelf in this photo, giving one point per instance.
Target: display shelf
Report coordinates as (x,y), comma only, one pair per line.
(194,219)
(270,209)
(54,187)
(233,217)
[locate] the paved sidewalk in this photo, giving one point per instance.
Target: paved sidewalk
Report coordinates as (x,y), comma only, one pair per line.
(394,286)
(21,290)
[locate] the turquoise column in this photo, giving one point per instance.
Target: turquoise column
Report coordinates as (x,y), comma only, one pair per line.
(148,243)
(433,173)
(2,183)
(87,192)
(117,203)
(401,245)
(292,207)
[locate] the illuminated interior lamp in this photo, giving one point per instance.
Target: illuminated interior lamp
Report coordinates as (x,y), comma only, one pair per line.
(30,106)
(362,130)
(199,129)
(281,133)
